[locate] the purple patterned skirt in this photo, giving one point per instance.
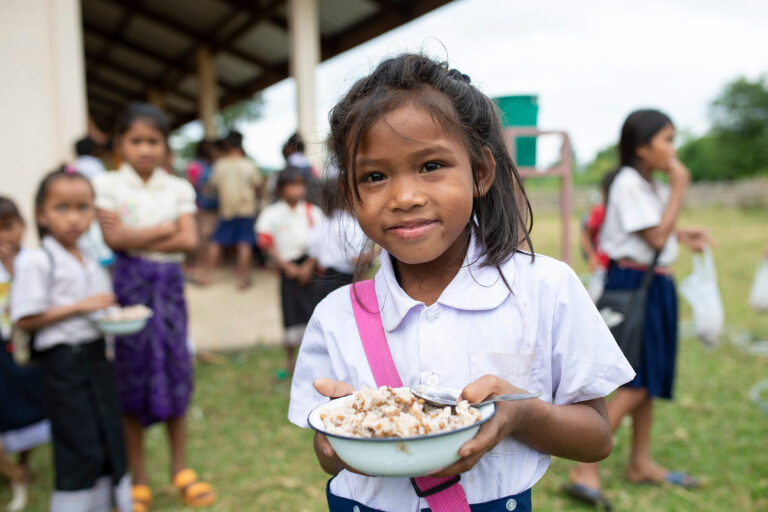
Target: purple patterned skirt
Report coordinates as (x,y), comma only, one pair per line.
(154,367)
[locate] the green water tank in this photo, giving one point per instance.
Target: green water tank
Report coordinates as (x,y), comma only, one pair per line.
(521,111)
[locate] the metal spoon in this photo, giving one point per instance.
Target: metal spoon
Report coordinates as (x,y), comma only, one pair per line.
(441,397)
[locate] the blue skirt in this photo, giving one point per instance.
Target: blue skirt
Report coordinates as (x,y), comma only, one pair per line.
(656,372)
(239,230)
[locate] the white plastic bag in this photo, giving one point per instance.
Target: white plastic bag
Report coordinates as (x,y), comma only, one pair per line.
(758,296)
(700,290)
(596,284)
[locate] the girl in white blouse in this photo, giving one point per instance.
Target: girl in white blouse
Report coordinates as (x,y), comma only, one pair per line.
(641,219)
(425,171)
(55,288)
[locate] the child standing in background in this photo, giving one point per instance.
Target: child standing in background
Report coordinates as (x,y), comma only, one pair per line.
(284,229)
(147,216)
(54,289)
(23,425)
(641,225)
(237,181)
(339,247)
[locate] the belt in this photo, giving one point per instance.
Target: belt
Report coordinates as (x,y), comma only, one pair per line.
(633,265)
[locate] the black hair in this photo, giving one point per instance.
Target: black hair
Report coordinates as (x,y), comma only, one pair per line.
(291,174)
(85,146)
(295,142)
(607,181)
(638,129)
(9,210)
(234,140)
(501,219)
(145,112)
(205,149)
(61,172)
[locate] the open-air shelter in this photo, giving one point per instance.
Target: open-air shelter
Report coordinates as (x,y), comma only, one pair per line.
(73,64)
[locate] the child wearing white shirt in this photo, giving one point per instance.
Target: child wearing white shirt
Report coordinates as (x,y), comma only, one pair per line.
(640,220)
(148,218)
(283,230)
(424,167)
(55,288)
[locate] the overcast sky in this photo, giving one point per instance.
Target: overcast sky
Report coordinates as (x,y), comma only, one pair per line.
(590,63)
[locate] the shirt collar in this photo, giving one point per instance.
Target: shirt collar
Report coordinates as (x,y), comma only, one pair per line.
(132,177)
(474,288)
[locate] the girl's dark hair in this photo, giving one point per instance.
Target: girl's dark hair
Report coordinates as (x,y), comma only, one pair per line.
(291,174)
(145,112)
(61,172)
(501,220)
(9,210)
(638,130)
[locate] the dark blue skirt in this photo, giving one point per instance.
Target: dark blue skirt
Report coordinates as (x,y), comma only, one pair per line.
(21,392)
(656,372)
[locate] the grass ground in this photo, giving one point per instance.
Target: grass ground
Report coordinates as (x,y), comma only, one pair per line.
(241,441)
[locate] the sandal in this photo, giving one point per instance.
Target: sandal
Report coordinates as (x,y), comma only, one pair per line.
(141,496)
(194,493)
(676,478)
(587,494)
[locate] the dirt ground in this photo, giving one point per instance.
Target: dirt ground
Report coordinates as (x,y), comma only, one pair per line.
(221,317)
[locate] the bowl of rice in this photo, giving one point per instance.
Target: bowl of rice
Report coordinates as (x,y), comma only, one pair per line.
(389,432)
(122,320)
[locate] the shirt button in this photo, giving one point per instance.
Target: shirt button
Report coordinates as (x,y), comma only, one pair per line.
(511,504)
(432,314)
(432,380)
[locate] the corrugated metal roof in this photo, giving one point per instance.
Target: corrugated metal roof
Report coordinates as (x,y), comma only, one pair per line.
(133,47)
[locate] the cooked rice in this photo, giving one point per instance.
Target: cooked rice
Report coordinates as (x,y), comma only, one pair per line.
(394,412)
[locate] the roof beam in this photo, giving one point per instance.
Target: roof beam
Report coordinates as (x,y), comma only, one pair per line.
(109,45)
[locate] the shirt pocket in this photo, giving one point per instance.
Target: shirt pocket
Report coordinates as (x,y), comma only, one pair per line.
(515,369)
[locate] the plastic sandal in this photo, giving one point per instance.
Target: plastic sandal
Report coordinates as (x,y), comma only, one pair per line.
(194,493)
(587,494)
(141,495)
(681,479)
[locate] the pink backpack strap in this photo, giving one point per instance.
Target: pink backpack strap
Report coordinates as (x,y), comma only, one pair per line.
(442,494)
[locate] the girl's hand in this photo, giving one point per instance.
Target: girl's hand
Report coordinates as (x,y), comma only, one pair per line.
(329,461)
(696,238)
(291,270)
(679,176)
(509,417)
(96,302)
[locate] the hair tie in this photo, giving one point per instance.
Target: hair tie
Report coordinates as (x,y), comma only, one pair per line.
(70,169)
(459,76)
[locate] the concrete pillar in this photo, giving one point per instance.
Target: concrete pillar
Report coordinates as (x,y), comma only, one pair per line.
(42,93)
(304,27)
(207,99)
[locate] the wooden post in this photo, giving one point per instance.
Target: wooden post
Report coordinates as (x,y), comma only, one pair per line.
(304,57)
(208,98)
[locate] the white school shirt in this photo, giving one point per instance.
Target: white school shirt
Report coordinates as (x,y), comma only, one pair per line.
(337,241)
(288,228)
(36,289)
(140,204)
(546,336)
(635,204)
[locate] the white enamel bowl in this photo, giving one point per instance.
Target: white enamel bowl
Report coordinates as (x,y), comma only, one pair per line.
(121,327)
(396,456)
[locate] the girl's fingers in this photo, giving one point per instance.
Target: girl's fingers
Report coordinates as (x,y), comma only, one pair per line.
(332,388)
(487,386)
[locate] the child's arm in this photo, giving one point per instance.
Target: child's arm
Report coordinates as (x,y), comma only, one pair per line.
(290,269)
(183,239)
(122,238)
(57,313)
(579,431)
(696,238)
(679,177)
(586,246)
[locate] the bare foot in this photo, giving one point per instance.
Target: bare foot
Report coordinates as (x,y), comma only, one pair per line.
(585,474)
(646,472)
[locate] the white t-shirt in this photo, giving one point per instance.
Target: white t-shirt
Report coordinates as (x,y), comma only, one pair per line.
(163,198)
(36,288)
(89,166)
(288,228)
(635,204)
(545,336)
(337,241)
